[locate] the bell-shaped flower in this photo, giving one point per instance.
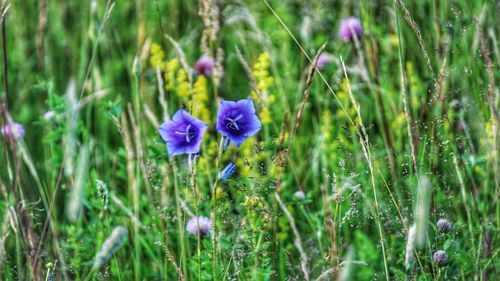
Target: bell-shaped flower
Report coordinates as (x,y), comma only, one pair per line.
(183,134)
(237,120)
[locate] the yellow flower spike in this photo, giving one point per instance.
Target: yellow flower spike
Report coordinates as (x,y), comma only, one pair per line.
(157,55)
(200,94)
(261,72)
(265,116)
(183,90)
(181,75)
(172,64)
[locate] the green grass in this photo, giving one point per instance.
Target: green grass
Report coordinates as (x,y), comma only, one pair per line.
(399,130)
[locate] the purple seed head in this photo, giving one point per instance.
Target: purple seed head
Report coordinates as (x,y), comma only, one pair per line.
(443,225)
(204,66)
(13,131)
(49,115)
(440,258)
(350,28)
(323,60)
(201,225)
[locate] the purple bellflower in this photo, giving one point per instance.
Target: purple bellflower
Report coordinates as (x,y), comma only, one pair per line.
(350,28)
(228,171)
(13,131)
(237,120)
(183,134)
(204,66)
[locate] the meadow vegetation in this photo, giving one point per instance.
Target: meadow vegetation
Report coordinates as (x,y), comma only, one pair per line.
(249,140)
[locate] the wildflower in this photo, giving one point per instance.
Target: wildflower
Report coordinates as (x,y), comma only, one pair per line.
(110,246)
(49,115)
(300,195)
(323,60)
(171,67)
(13,131)
(265,116)
(350,28)
(261,72)
(228,171)
(183,134)
(183,87)
(199,225)
(201,96)
(444,225)
(157,55)
(263,82)
(440,258)
(204,66)
(237,120)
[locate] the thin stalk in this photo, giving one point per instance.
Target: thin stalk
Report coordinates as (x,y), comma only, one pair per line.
(214,207)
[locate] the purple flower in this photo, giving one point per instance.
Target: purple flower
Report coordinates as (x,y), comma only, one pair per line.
(49,115)
(228,171)
(300,195)
(237,120)
(444,225)
(201,225)
(183,134)
(204,66)
(440,258)
(350,28)
(13,131)
(323,60)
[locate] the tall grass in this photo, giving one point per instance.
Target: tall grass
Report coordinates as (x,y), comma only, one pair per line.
(355,163)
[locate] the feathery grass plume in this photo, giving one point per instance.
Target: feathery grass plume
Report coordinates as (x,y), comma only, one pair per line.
(209,12)
(2,250)
(410,244)
(218,66)
(102,191)
(110,246)
(75,200)
(417,32)
(422,210)
(69,139)
(346,268)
